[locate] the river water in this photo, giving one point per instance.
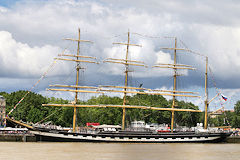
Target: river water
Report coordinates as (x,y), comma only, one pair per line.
(117,151)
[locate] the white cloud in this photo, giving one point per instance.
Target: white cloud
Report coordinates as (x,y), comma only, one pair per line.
(20,60)
(3,9)
(146,54)
(58,94)
(31,34)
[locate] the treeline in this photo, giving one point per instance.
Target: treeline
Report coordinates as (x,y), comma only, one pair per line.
(31,110)
(229,118)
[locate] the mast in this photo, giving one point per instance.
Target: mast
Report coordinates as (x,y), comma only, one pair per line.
(174,83)
(206,95)
(126,84)
(175,67)
(78,67)
(126,62)
(77,79)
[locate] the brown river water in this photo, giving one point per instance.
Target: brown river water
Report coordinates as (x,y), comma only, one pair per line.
(117,151)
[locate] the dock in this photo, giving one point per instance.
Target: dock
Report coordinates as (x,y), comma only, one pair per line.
(17,138)
(16,135)
(233,139)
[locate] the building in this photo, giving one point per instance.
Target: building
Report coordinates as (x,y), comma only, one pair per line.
(2,112)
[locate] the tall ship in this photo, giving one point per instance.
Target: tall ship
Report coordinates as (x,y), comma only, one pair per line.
(117,133)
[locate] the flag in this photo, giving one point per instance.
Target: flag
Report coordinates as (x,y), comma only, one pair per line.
(224,98)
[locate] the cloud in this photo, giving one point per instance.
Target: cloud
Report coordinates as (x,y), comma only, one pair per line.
(32,32)
(216,12)
(57,94)
(48,20)
(19,60)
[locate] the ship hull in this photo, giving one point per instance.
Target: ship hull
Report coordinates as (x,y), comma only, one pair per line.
(131,137)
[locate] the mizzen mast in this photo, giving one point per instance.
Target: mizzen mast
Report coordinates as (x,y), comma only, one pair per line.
(206,96)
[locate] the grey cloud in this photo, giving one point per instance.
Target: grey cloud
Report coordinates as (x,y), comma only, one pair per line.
(205,26)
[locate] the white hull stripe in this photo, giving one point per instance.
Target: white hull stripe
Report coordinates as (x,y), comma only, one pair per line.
(125,139)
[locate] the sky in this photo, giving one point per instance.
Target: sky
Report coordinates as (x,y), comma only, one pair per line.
(32,32)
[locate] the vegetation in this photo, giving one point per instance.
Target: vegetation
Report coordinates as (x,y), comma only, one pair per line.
(229,118)
(31,110)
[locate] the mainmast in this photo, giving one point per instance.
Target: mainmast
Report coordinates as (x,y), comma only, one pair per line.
(126,60)
(174,83)
(126,84)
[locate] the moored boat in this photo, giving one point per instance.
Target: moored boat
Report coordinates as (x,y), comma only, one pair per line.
(120,133)
(129,136)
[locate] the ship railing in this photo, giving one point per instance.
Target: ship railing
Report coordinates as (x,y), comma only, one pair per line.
(87,130)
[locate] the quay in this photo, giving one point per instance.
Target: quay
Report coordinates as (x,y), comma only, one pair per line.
(233,139)
(17,138)
(16,135)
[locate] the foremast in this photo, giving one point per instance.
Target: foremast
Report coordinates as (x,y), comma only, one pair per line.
(78,67)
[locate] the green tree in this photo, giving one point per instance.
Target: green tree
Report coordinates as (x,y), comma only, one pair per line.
(31,110)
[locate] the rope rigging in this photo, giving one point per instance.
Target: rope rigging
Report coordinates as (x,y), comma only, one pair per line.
(52,65)
(41,78)
(220,99)
(49,116)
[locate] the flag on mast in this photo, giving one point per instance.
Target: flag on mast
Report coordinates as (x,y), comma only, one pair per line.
(224,97)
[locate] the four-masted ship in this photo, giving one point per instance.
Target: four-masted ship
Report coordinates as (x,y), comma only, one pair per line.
(117,134)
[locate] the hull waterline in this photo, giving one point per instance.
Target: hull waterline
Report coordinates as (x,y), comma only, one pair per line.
(131,137)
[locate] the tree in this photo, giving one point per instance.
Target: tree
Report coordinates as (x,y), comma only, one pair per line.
(31,110)
(237,108)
